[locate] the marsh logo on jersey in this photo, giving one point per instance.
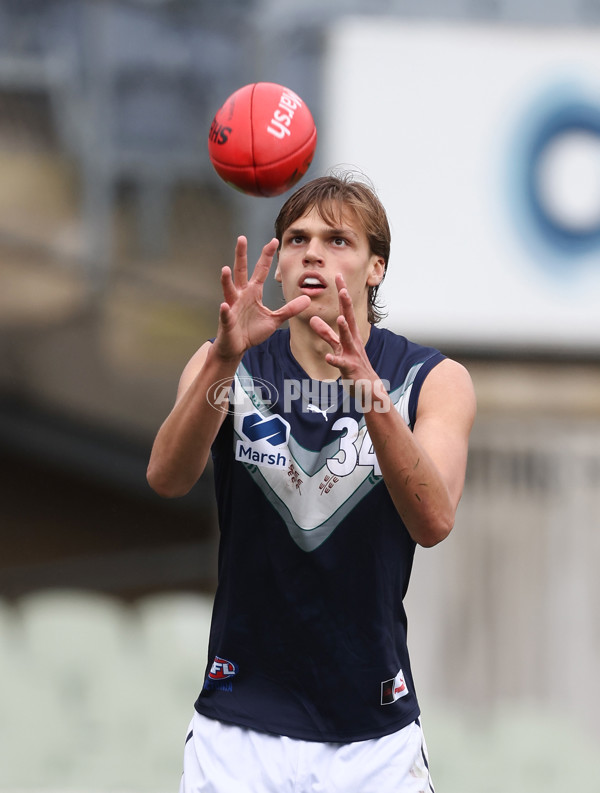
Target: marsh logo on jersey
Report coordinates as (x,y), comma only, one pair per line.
(266,441)
(220,675)
(391,690)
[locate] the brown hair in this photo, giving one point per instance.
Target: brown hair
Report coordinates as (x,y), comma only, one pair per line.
(330,195)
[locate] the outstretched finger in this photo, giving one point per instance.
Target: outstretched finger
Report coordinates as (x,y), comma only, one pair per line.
(347,307)
(225,315)
(227,285)
(265,260)
(347,338)
(240,264)
(322,329)
(292,309)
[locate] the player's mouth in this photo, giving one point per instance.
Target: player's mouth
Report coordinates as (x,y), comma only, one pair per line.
(311,284)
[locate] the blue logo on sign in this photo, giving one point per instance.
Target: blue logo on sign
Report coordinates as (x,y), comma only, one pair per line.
(555,192)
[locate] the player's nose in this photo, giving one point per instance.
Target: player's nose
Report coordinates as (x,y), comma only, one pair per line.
(314,253)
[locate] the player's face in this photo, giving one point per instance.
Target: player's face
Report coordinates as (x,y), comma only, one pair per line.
(313,252)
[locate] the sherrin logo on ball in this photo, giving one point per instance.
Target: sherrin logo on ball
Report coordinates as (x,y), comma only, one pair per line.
(263,139)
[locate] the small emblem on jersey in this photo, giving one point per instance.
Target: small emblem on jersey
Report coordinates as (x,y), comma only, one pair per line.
(391,690)
(312,408)
(266,442)
(222,669)
(274,429)
(221,675)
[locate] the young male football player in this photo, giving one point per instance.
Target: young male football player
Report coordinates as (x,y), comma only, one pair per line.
(337,448)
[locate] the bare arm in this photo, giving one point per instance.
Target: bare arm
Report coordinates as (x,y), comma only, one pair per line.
(424,470)
(183,442)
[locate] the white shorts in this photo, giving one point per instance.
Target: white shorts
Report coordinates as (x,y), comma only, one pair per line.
(225,758)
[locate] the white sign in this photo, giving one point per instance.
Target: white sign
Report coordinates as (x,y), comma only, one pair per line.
(484,145)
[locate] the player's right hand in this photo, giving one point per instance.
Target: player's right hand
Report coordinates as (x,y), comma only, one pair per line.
(244,321)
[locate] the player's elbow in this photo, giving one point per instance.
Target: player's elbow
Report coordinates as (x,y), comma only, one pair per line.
(165,486)
(434,534)
(435,530)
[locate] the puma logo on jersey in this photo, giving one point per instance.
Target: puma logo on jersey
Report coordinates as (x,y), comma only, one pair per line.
(312,408)
(392,690)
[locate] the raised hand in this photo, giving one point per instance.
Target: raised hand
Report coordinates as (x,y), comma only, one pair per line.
(244,320)
(347,346)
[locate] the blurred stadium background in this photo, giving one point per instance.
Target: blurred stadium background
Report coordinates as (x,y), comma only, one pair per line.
(477,120)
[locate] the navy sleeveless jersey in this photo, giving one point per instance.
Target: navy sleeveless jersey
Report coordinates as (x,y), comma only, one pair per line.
(308,635)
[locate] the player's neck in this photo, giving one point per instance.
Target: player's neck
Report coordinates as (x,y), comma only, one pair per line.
(309,350)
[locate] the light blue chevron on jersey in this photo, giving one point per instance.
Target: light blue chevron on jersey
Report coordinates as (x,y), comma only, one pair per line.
(311,490)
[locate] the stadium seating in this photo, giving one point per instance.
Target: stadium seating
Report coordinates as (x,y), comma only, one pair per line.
(95,693)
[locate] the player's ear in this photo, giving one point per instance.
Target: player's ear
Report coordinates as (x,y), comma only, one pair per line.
(376,271)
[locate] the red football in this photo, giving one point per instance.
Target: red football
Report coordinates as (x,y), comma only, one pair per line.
(262,140)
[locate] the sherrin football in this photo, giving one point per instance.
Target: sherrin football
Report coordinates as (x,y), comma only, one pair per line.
(262,140)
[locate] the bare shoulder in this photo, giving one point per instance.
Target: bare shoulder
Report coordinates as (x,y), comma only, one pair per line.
(192,368)
(448,388)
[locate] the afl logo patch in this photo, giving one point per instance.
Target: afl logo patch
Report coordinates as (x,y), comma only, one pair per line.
(220,676)
(222,669)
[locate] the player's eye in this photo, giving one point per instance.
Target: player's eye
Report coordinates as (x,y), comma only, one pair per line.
(339,242)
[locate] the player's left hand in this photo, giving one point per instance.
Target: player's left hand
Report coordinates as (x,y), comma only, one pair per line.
(348,349)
